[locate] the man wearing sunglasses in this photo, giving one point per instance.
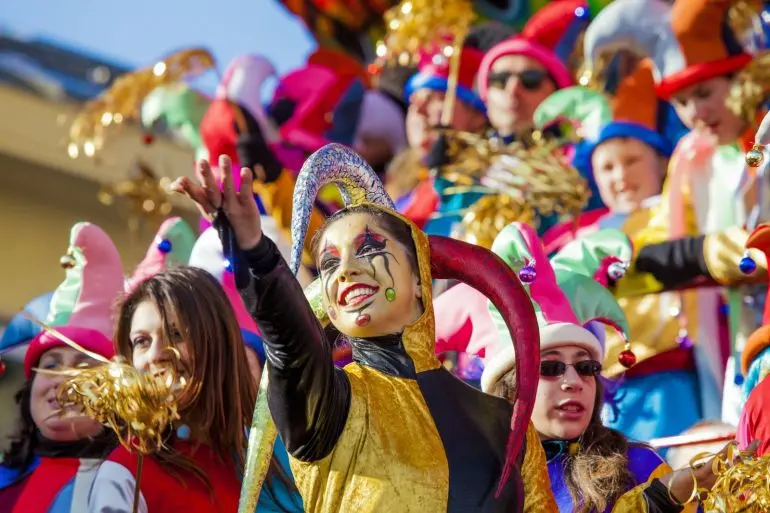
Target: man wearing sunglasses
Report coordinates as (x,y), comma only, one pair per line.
(519,73)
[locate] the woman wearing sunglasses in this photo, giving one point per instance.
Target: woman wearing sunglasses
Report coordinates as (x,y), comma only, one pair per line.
(592,468)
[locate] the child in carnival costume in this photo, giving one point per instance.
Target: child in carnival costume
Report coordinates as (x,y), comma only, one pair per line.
(52,459)
(708,189)
(375,289)
(626,149)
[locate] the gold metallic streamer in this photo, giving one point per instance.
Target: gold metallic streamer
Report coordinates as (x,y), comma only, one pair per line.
(139,407)
(416,26)
(750,87)
(522,180)
(261,439)
(147,195)
(122,101)
(742,484)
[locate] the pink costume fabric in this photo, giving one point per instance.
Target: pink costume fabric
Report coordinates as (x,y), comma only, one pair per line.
(464,324)
(82,306)
(171,246)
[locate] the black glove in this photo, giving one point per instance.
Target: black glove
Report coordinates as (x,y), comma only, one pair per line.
(253,149)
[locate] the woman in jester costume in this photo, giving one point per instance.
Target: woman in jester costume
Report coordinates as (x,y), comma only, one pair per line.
(393,431)
(591,467)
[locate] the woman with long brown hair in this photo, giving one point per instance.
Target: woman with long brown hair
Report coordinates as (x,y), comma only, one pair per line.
(181,319)
(592,468)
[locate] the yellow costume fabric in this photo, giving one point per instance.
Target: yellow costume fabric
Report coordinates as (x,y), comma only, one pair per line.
(633,501)
(534,472)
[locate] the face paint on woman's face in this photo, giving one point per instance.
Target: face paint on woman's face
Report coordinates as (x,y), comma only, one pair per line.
(359,262)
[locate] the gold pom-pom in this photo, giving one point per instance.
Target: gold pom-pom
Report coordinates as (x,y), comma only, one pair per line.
(740,487)
(139,407)
(755,157)
(487,217)
(521,179)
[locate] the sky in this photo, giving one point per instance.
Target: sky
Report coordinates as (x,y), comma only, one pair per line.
(139,32)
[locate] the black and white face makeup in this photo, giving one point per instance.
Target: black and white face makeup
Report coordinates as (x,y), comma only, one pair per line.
(368,285)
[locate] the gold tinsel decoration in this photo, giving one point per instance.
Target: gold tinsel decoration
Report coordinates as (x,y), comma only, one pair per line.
(751,87)
(147,196)
(138,407)
(123,100)
(486,218)
(522,179)
(415,26)
(742,487)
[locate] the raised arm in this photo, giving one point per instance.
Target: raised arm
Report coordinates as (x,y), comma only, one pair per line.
(309,397)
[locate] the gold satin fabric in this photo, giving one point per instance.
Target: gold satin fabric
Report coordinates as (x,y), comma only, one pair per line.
(538,497)
(389,458)
(633,501)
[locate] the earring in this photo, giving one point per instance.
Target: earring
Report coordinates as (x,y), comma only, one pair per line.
(390,294)
(183,432)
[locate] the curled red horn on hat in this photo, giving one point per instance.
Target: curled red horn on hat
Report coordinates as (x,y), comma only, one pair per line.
(497,281)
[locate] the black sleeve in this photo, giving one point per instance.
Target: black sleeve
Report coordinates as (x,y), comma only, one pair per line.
(674,263)
(309,396)
(658,500)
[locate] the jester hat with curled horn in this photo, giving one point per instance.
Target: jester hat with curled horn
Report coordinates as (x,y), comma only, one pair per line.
(438,257)
(569,292)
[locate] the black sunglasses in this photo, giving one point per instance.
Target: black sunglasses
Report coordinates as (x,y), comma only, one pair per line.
(555,368)
(531,79)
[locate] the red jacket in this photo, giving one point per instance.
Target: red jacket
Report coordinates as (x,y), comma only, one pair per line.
(163,490)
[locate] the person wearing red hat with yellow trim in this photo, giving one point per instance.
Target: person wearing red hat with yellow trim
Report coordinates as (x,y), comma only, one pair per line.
(698,57)
(52,460)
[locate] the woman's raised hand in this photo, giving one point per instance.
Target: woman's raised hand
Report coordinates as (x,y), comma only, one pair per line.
(239,206)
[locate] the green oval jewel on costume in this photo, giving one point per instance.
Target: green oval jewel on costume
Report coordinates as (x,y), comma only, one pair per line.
(390,294)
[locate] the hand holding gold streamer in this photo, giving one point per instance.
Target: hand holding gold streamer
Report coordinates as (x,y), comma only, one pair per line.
(742,482)
(522,179)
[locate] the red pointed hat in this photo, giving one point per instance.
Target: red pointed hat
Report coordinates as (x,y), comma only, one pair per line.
(549,37)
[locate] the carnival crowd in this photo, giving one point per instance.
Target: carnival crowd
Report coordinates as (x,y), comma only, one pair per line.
(418,329)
